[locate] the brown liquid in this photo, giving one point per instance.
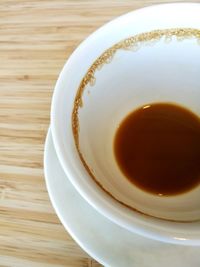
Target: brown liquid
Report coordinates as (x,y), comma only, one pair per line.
(157,147)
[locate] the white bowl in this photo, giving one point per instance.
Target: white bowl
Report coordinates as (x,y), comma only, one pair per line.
(149,55)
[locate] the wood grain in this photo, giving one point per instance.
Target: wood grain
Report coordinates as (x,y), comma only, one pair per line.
(36,38)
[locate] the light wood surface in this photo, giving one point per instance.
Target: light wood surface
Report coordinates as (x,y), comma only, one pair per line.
(36,38)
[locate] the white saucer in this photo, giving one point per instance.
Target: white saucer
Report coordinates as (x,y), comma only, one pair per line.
(108,243)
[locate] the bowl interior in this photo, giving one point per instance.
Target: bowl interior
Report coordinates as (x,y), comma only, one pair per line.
(171,68)
(158,66)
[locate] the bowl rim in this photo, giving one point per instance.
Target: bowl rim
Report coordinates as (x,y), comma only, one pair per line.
(101,203)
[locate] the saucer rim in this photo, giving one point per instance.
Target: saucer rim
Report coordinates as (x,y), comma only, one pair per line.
(53,201)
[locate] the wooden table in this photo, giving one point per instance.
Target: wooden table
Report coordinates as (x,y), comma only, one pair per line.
(36,38)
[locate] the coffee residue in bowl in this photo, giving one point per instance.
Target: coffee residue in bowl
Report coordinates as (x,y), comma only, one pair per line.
(157,147)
